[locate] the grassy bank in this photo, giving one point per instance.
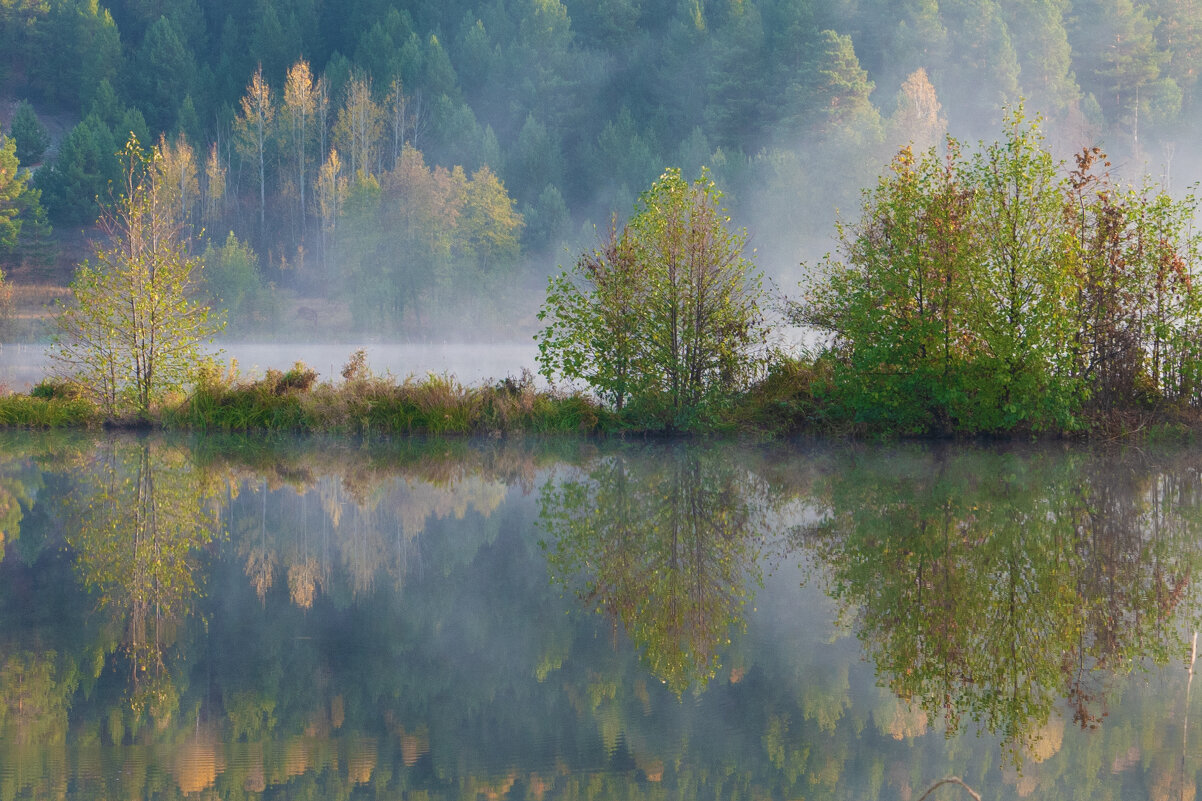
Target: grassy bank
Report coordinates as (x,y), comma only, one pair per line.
(367,404)
(793,397)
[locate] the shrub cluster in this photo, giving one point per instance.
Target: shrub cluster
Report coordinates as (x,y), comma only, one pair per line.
(1001,293)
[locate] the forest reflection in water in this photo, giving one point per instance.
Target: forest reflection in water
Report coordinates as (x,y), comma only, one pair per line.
(568,620)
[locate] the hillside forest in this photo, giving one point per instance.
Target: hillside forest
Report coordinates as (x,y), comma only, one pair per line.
(416,168)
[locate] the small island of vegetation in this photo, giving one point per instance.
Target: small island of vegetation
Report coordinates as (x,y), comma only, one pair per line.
(993,293)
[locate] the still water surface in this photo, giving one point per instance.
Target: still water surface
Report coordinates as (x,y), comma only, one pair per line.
(239,619)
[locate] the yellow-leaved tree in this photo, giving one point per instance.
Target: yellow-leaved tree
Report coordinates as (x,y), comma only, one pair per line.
(134,331)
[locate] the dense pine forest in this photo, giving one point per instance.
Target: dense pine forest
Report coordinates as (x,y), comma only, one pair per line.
(406,166)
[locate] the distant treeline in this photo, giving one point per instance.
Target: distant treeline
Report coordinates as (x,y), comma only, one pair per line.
(557,114)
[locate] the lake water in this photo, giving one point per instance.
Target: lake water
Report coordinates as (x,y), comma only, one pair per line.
(236,618)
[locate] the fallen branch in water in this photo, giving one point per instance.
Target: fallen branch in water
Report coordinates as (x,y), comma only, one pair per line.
(949,780)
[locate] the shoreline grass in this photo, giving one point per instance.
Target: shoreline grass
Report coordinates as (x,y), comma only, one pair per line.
(790,400)
(370,405)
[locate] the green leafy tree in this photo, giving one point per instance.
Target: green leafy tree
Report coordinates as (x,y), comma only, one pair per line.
(592,314)
(1019,290)
(895,302)
(666,315)
(134,331)
(704,300)
(231,276)
(1136,314)
(31,136)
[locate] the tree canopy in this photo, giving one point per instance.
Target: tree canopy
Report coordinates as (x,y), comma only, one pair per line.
(999,290)
(665,316)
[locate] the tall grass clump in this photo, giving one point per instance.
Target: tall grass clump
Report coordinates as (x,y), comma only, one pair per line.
(50,404)
(515,404)
(221,401)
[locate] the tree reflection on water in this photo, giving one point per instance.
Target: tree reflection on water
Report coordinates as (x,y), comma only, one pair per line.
(309,621)
(139,518)
(990,585)
(664,541)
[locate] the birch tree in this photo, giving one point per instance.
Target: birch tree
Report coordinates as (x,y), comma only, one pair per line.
(177,173)
(330,187)
(214,198)
(133,334)
(359,126)
(254,126)
(299,104)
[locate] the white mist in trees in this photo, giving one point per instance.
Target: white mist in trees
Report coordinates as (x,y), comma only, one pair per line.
(1045,58)
(417,233)
(666,315)
(134,333)
(231,278)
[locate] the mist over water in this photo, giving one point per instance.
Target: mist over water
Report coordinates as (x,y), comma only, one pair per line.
(469,362)
(472,363)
